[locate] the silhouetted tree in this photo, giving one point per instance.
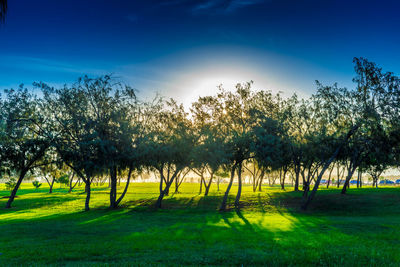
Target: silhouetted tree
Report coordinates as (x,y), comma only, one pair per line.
(25,139)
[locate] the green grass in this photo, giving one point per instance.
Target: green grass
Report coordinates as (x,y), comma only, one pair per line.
(359,229)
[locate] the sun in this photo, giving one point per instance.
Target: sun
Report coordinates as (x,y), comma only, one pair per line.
(204,80)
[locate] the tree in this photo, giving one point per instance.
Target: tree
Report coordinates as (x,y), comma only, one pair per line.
(36,184)
(337,127)
(237,114)
(379,156)
(209,153)
(169,144)
(116,124)
(269,147)
(257,173)
(233,113)
(74,117)
(51,167)
(296,120)
(25,138)
(353,110)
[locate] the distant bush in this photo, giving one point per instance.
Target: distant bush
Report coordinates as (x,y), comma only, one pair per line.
(36,184)
(64,179)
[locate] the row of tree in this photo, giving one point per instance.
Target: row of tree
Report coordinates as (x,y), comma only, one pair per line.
(98,128)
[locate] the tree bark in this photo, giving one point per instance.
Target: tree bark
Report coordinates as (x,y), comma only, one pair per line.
(125,189)
(209,185)
(161,181)
(225,199)
(87,189)
(177,185)
(179,181)
(201,184)
(51,185)
(330,175)
(165,191)
(350,173)
(16,187)
(70,183)
(113,189)
(239,192)
(297,174)
(260,182)
(282,179)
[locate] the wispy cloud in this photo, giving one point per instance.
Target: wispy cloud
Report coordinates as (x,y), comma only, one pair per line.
(223,6)
(237,4)
(207,5)
(210,7)
(44,64)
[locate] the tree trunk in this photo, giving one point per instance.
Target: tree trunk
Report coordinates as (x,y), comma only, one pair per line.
(351,169)
(375,179)
(70,183)
(329,178)
(326,166)
(260,182)
(125,189)
(209,185)
(161,182)
(201,184)
(338,175)
(14,191)
(87,189)
(113,184)
(179,181)
(239,186)
(296,183)
(225,199)
(51,185)
(167,189)
(176,185)
(283,178)
(164,192)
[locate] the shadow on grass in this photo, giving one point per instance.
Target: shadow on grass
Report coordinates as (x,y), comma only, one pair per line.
(268,230)
(41,200)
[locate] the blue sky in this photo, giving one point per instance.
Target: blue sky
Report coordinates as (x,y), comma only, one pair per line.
(185,48)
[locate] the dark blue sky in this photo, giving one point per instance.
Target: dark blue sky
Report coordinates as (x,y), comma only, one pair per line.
(184,48)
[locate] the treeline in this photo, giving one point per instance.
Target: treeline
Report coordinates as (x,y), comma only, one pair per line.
(98,128)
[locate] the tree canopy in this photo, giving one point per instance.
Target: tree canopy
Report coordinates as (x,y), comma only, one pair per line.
(97,127)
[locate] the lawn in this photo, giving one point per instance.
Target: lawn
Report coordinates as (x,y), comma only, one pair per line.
(359,229)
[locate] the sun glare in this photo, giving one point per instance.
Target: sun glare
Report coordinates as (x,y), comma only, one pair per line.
(205,80)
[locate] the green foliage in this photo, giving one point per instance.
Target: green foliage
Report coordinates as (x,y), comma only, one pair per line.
(97,127)
(10,184)
(36,184)
(63,179)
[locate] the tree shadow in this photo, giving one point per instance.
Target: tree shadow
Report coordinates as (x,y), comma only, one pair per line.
(190,231)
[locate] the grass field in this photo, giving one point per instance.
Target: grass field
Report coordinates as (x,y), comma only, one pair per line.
(359,229)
